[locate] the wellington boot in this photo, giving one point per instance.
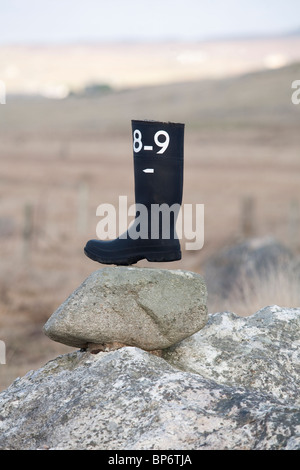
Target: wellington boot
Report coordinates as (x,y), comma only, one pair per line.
(158,176)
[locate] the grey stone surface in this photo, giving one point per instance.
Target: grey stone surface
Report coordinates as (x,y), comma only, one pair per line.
(148,308)
(131,399)
(260,352)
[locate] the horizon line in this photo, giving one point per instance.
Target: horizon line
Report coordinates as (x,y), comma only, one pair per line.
(133,41)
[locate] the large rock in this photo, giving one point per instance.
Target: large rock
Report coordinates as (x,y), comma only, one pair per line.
(131,399)
(245,262)
(148,308)
(260,352)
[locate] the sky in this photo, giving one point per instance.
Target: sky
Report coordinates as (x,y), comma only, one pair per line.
(69,21)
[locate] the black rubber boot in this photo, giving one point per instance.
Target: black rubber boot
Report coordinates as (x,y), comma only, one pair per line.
(158,175)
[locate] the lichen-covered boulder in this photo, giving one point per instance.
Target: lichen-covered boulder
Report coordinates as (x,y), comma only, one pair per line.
(234,386)
(260,352)
(148,308)
(130,399)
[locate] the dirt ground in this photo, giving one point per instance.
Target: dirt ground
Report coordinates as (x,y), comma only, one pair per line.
(61,159)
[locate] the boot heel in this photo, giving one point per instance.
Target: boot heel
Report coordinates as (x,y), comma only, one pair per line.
(163,257)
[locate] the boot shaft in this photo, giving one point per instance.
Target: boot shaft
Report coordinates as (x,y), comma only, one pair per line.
(158,175)
(158,150)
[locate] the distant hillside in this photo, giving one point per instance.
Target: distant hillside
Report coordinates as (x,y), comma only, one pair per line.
(253,99)
(58,70)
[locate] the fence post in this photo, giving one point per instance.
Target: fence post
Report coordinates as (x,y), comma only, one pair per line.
(247,217)
(294,224)
(82,215)
(27,229)
(63,150)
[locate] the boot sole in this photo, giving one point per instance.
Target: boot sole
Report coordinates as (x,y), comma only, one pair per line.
(155,257)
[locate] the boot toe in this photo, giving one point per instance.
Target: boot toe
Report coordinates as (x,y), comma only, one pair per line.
(92,248)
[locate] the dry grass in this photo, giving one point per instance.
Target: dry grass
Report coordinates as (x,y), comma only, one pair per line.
(253,291)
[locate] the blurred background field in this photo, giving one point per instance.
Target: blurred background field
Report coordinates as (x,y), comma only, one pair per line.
(66,147)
